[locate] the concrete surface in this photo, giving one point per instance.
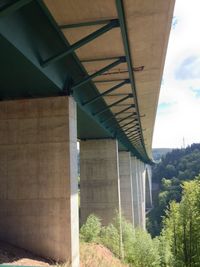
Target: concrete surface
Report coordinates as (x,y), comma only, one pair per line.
(126,191)
(38,177)
(99,179)
(135,184)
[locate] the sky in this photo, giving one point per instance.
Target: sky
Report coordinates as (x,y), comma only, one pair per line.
(178,116)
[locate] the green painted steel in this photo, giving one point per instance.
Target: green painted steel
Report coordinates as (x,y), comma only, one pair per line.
(29,36)
(106,92)
(111,105)
(85,24)
(85,40)
(99,72)
(118,113)
(10,8)
(128,123)
(121,15)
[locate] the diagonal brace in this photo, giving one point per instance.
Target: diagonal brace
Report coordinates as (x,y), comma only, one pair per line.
(122,119)
(114,23)
(106,92)
(99,72)
(118,113)
(128,123)
(113,104)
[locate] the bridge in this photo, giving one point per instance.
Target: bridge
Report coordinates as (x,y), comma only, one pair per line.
(73,70)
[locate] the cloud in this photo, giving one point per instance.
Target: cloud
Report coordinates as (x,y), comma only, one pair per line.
(179,103)
(189,68)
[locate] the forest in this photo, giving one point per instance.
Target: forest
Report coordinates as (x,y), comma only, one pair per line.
(173,236)
(175,167)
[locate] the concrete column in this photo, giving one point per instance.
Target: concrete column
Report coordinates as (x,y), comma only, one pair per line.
(38,177)
(126,186)
(99,179)
(141,173)
(136,188)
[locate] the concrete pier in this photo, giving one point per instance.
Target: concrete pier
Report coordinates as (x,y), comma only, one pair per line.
(136,188)
(126,190)
(99,179)
(38,192)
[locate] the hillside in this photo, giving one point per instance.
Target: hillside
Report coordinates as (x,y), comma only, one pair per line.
(175,167)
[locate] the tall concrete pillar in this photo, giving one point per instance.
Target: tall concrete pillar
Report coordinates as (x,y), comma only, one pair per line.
(141,174)
(99,179)
(38,177)
(126,192)
(136,192)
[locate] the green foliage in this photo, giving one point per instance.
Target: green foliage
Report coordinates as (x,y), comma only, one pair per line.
(176,166)
(144,250)
(90,231)
(140,250)
(110,238)
(182,226)
(183,164)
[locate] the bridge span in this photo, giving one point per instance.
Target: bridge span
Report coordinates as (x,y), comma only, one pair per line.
(77,70)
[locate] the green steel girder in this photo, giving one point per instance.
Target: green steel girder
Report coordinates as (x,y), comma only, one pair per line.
(85,24)
(21,28)
(113,116)
(99,72)
(125,130)
(128,123)
(120,120)
(106,92)
(10,8)
(136,134)
(121,16)
(83,41)
(98,59)
(129,134)
(111,105)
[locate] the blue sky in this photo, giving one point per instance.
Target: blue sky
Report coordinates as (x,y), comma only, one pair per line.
(178,114)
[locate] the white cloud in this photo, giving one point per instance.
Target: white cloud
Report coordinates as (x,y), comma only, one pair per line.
(180,119)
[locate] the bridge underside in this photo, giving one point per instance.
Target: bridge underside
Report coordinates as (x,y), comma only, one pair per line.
(76,70)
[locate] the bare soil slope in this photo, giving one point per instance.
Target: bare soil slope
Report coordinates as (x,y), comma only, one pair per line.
(92,255)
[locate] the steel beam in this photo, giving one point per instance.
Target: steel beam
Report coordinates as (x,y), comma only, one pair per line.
(83,41)
(132,132)
(97,59)
(121,15)
(130,128)
(99,72)
(116,114)
(106,92)
(128,123)
(10,8)
(122,119)
(109,81)
(85,24)
(113,104)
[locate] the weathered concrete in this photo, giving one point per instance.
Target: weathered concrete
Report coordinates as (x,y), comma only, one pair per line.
(99,179)
(126,192)
(148,188)
(135,185)
(141,181)
(38,177)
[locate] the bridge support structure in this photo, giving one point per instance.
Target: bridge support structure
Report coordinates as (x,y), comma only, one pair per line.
(99,179)
(126,189)
(39,192)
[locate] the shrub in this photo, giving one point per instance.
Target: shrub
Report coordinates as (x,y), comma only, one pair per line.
(90,231)
(111,239)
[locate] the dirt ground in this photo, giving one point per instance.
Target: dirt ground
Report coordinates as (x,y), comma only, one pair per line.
(12,255)
(92,255)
